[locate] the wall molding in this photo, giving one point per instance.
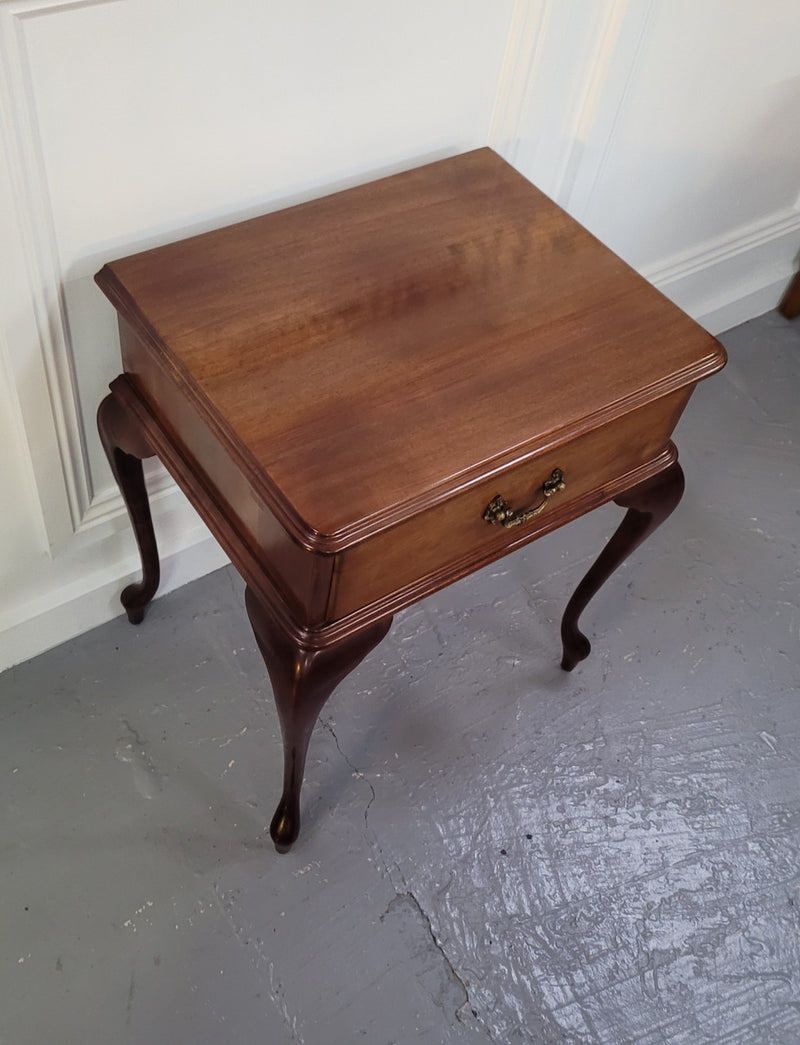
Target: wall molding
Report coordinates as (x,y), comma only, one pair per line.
(107,505)
(88,548)
(57,386)
(590,101)
(529,22)
(556,118)
(612,70)
(555,102)
(728,279)
(723,248)
(58,599)
(32,8)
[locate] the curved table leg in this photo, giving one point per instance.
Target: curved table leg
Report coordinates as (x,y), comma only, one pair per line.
(302,680)
(125,446)
(790,302)
(648,506)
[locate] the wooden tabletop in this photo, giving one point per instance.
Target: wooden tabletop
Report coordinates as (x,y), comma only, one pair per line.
(386,344)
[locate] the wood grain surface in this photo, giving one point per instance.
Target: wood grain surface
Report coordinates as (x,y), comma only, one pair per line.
(362,356)
(343,387)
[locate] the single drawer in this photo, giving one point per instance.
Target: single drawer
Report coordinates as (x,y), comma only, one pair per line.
(451,537)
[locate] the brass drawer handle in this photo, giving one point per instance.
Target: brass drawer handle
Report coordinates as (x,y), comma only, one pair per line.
(500,511)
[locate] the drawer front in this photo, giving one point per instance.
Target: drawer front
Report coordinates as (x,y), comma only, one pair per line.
(453,533)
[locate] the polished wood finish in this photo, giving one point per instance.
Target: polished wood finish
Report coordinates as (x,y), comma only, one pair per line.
(596,465)
(341,388)
(790,303)
(125,446)
(361,356)
(302,677)
(648,503)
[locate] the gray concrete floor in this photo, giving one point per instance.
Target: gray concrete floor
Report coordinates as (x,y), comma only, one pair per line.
(493,850)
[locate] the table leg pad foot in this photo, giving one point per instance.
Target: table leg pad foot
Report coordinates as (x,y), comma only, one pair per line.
(285,826)
(134,598)
(576,647)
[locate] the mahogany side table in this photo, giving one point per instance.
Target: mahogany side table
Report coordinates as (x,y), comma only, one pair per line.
(368,396)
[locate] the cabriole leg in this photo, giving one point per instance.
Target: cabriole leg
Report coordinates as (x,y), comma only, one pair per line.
(648,506)
(302,680)
(125,446)
(790,303)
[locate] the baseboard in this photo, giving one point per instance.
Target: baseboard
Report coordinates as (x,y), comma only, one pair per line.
(729,280)
(730,314)
(58,598)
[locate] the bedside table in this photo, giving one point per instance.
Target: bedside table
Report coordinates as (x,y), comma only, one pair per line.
(369,396)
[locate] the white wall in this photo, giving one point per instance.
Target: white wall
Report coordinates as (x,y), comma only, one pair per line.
(665,126)
(669,128)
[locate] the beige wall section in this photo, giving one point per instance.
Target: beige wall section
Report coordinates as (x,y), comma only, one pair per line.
(664,125)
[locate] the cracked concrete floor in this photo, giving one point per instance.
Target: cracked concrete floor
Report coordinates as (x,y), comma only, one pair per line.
(493,850)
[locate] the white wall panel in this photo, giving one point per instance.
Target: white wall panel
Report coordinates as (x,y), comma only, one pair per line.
(127,123)
(668,127)
(702,141)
